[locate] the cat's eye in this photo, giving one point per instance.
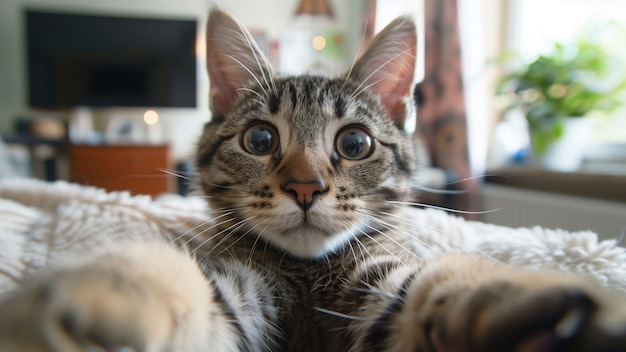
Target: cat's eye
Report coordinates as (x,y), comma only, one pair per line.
(260,139)
(354,143)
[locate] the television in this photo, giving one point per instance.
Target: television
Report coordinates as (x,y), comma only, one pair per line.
(107,61)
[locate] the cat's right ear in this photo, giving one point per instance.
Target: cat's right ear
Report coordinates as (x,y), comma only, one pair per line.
(233,61)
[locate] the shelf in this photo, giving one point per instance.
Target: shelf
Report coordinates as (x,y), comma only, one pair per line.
(592,185)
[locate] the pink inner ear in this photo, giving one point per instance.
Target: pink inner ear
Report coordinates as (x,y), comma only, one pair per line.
(395,96)
(223,90)
(224,83)
(233,60)
(387,67)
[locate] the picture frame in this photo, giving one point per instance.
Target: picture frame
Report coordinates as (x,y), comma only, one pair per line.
(125,130)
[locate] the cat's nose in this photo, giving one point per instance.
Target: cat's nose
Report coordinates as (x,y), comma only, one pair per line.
(305,192)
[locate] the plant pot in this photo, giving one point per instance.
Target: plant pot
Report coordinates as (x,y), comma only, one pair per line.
(566,154)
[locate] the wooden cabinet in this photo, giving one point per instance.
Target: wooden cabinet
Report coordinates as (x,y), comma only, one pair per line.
(134,168)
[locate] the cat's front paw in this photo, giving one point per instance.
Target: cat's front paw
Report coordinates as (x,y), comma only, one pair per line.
(142,298)
(470,305)
(507,317)
(93,310)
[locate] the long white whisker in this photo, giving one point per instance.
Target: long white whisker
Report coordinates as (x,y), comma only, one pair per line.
(358,88)
(442,208)
(230,188)
(362,89)
(253,92)
(439,242)
(356,57)
(221,196)
(440,191)
(258,237)
(218,234)
(373,290)
(192,238)
(256,58)
(175,174)
(395,229)
(222,211)
(231,230)
(477,177)
(382,233)
(337,314)
(249,71)
(239,237)
(381,246)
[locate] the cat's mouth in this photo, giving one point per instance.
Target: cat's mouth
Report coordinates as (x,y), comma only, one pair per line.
(305,224)
(305,240)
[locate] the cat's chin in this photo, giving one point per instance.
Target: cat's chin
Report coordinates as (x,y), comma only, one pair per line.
(307,241)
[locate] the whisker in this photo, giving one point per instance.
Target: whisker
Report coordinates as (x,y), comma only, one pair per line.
(390,227)
(249,71)
(477,177)
(205,230)
(356,56)
(239,237)
(175,174)
(337,314)
(230,188)
(251,91)
(361,89)
(440,191)
(430,206)
(442,242)
(211,227)
(221,196)
(418,188)
(224,211)
(258,237)
(408,234)
(202,223)
(353,252)
(371,238)
(373,290)
(252,47)
(231,230)
(358,88)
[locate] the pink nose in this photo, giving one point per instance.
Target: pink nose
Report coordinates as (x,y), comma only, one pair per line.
(305,193)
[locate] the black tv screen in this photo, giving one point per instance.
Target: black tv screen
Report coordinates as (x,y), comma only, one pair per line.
(103,61)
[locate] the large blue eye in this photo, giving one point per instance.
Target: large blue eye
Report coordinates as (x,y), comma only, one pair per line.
(260,139)
(354,143)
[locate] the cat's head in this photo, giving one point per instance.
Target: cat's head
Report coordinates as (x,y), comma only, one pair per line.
(306,162)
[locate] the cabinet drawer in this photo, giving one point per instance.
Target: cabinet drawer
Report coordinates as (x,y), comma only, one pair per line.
(137,169)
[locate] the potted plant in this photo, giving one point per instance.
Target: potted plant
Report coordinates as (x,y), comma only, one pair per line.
(557,92)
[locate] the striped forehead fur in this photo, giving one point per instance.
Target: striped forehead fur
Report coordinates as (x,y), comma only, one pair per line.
(308,98)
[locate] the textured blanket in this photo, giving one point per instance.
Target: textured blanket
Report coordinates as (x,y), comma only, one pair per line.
(44,223)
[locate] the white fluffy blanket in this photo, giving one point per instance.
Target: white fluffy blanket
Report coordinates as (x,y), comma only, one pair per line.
(43,223)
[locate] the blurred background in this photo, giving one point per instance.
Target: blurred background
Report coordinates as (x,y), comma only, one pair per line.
(520,102)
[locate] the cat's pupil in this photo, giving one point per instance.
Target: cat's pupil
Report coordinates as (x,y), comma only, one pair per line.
(261,140)
(353,144)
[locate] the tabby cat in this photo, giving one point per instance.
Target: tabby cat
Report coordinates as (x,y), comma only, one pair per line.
(308,249)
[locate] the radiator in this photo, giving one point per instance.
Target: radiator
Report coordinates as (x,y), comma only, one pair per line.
(523,208)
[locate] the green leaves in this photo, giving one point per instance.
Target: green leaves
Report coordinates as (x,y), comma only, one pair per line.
(573,81)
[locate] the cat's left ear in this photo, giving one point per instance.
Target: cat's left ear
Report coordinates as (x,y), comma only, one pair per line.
(234,61)
(387,67)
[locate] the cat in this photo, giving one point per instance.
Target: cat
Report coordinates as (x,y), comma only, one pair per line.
(308,249)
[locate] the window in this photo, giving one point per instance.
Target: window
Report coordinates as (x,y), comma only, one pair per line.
(540,23)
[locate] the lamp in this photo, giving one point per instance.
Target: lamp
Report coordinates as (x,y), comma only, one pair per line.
(314,8)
